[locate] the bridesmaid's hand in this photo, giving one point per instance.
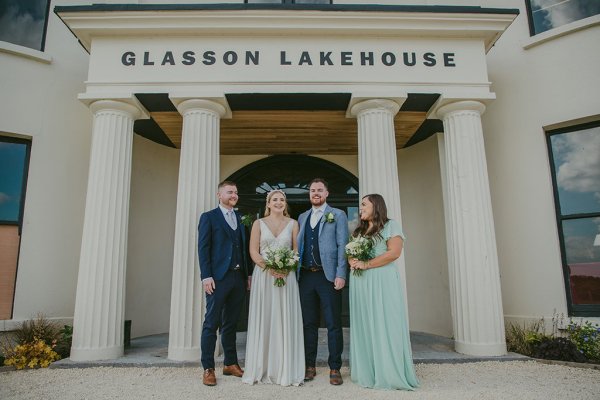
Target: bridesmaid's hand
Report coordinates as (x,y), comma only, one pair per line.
(353,262)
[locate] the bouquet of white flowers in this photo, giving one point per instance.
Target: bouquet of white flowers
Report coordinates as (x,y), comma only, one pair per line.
(282,260)
(361,248)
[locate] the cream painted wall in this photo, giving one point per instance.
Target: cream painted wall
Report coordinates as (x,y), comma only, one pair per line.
(425,247)
(546,84)
(153,202)
(38,101)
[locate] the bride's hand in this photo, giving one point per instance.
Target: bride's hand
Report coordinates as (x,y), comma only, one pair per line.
(278,274)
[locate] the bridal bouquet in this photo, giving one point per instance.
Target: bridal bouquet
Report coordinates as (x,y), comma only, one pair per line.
(361,248)
(282,260)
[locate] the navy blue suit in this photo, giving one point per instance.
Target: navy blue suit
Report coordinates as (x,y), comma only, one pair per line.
(220,251)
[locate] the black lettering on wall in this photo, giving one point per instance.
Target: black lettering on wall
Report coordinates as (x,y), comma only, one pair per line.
(325,58)
(346,57)
(147,58)
(168,58)
(283,60)
(388,58)
(429,59)
(449,60)
(128,58)
(230,57)
(252,57)
(364,57)
(189,58)
(305,58)
(409,62)
(209,58)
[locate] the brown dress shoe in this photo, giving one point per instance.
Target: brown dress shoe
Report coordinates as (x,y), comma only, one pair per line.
(310,373)
(335,377)
(234,370)
(209,378)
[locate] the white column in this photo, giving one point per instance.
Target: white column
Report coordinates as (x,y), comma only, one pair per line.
(473,260)
(100,300)
(197,189)
(377,160)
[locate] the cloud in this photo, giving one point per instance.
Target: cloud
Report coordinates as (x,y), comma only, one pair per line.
(579,170)
(558,13)
(4,198)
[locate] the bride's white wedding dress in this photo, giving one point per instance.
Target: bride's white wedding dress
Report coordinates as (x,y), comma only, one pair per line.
(275,340)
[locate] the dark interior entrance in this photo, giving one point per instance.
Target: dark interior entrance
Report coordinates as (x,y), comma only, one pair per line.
(292,174)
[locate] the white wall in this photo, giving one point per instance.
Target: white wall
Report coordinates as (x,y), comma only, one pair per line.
(153,203)
(39,102)
(425,247)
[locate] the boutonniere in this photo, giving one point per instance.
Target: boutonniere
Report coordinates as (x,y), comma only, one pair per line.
(247,220)
(329,217)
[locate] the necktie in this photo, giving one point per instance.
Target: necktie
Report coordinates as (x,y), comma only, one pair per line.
(314,218)
(231,220)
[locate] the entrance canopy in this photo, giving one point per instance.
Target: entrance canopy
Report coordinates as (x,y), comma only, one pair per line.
(286,72)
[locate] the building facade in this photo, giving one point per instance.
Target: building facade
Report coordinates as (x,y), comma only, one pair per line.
(477,121)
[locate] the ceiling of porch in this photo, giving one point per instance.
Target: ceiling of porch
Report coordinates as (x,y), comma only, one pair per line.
(288,124)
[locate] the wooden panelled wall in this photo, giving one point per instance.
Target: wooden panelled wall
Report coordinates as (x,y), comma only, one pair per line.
(285,132)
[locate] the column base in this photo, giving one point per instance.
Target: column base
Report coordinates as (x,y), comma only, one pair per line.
(184,353)
(94,354)
(478,349)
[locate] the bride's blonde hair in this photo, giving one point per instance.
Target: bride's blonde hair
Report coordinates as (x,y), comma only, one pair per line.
(269,196)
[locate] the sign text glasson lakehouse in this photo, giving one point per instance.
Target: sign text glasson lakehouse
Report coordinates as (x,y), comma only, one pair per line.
(300,58)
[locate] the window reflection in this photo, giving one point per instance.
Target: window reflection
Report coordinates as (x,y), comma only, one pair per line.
(577,165)
(12,170)
(583,259)
(549,14)
(23,22)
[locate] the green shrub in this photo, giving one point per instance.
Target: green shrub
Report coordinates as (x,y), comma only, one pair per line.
(523,339)
(586,337)
(63,346)
(558,348)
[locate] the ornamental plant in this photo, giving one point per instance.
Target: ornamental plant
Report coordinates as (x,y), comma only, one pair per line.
(586,337)
(33,343)
(31,355)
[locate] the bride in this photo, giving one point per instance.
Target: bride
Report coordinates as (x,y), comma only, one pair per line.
(275,341)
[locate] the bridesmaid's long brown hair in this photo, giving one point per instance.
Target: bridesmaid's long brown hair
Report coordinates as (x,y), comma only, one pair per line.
(379,218)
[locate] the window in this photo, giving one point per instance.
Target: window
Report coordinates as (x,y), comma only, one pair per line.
(548,14)
(14,162)
(575,162)
(23,22)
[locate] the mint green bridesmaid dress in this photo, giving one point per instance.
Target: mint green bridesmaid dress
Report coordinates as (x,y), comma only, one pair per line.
(380,353)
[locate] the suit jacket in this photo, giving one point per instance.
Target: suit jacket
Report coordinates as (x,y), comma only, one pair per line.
(333,237)
(215,245)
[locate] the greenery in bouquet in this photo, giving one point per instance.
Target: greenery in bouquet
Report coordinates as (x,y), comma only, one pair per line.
(361,248)
(281,260)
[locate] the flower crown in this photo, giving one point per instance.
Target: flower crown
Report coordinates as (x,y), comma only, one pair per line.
(270,193)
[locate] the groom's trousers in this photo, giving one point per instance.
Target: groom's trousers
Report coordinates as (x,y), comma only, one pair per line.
(317,293)
(222,311)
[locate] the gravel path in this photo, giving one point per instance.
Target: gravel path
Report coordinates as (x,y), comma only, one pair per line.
(481,381)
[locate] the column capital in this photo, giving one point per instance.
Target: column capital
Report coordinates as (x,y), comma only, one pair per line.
(201,104)
(459,106)
(375,104)
(104,105)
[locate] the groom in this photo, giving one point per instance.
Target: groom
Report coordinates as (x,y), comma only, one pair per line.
(224,271)
(321,243)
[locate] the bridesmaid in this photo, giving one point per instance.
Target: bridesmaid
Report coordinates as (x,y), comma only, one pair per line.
(380,353)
